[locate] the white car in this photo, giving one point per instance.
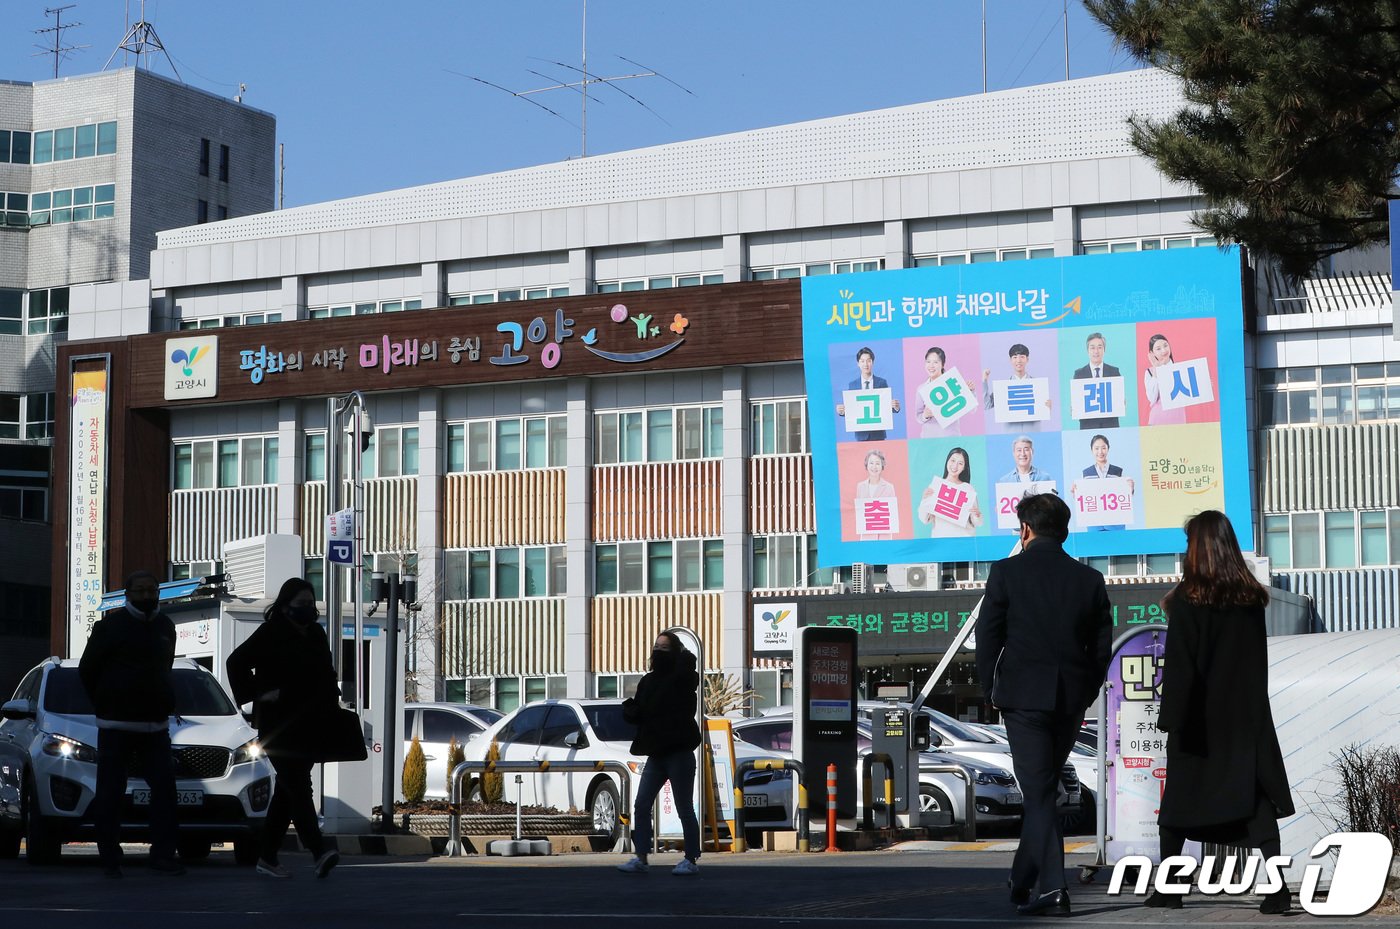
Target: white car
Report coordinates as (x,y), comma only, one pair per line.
(564,730)
(48,753)
(436,725)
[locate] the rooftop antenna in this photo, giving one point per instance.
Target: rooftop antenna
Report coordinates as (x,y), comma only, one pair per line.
(59,50)
(581,86)
(141,39)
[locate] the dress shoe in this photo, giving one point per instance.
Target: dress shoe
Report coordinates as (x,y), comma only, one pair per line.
(1019,896)
(1055,903)
(1165,901)
(1277,903)
(166,866)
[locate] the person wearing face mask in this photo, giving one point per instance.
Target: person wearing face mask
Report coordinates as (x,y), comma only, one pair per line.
(1043,639)
(125,670)
(668,734)
(284,670)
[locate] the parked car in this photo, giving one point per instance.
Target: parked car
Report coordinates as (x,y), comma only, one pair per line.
(48,767)
(995,793)
(436,725)
(972,742)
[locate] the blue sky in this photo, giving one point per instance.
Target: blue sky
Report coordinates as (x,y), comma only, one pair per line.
(366,98)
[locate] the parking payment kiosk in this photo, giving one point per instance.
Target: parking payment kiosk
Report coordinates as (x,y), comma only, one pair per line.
(824,695)
(891,734)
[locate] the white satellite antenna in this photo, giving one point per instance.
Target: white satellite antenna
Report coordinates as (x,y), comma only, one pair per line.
(141,40)
(581,86)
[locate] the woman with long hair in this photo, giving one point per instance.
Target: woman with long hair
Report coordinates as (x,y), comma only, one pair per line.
(1226,782)
(284,669)
(1159,352)
(957,470)
(668,734)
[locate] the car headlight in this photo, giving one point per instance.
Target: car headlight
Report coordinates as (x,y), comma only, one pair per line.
(60,746)
(251,750)
(636,766)
(991,776)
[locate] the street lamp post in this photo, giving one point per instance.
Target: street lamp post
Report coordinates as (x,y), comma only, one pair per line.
(391,589)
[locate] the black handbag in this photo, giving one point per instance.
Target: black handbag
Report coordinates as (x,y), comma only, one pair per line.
(343,737)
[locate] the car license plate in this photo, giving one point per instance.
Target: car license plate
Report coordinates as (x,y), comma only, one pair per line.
(755,801)
(182,797)
(1014,796)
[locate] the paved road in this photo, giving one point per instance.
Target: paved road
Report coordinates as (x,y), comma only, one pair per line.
(896,889)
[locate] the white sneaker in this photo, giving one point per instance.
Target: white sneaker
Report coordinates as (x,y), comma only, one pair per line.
(269,869)
(686,867)
(635,866)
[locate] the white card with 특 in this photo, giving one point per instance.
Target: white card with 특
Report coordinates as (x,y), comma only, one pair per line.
(1023,401)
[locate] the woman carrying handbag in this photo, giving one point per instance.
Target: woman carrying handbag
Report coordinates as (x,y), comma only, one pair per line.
(284,669)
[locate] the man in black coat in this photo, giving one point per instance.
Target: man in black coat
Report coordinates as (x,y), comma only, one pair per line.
(125,670)
(1043,640)
(1095,345)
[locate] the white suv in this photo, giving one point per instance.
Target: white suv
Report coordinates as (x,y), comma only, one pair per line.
(48,767)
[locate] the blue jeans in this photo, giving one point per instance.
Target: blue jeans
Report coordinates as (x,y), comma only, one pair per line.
(152,753)
(679,769)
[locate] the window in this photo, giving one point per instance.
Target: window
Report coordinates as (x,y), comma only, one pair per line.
(1148,244)
(1332,394)
(223,212)
(11,417)
(486,445)
(244,319)
(363,309)
(502,296)
(106,138)
(392,452)
(203,157)
(38,416)
(14,146)
(657,283)
(14,209)
(659,567)
(504,573)
(48,311)
(61,144)
(202,212)
(779,427)
(1332,539)
(78,204)
(314,456)
(783,561)
(682,433)
(206,463)
(809,270)
(11,312)
(223,163)
(978,257)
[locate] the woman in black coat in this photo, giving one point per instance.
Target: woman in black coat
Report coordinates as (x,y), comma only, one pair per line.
(284,669)
(667,733)
(1226,783)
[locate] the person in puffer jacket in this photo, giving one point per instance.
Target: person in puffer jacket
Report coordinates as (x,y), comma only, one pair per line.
(668,734)
(125,670)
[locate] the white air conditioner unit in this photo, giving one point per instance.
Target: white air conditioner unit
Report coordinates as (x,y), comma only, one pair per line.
(257,567)
(920,577)
(860,578)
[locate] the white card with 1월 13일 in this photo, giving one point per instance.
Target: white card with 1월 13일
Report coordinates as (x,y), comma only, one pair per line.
(1106,501)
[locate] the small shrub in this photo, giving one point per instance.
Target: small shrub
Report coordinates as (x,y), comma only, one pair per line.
(455,756)
(493,784)
(1370,795)
(415,773)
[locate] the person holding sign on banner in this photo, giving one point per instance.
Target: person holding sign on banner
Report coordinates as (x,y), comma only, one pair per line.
(1101,470)
(1022,393)
(876,504)
(1159,352)
(663,711)
(1043,642)
(1097,370)
(868,380)
(935,366)
(950,502)
(1226,782)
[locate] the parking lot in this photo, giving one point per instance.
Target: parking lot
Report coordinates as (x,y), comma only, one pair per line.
(929,884)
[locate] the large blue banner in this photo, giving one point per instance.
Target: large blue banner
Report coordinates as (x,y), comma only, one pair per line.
(939,396)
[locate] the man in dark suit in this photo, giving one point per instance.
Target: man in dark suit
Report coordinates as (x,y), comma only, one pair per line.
(868,380)
(1043,638)
(1097,345)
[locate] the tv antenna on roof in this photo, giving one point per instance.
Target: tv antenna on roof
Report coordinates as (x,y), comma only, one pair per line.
(59,50)
(581,86)
(141,39)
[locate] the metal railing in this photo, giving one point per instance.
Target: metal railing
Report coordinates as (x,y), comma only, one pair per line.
(804,839)
(969,830)
(867,788)
(454,835)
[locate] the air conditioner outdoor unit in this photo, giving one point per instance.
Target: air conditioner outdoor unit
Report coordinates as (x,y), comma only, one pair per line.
(919,577)
(860,578)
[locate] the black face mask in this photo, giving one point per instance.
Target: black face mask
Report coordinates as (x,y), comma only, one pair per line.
(662,660)
(302,615)
(145,606)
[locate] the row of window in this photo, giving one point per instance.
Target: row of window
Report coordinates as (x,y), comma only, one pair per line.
(35,312)
(26,416)
(207,463)
(88,141)
(392,451)
(784,272)
(75,205)
(506,295)
(658,567)
(201,212)
(663,282)
(1337,539)
(982,256)
(506,444)
(26,503)
(778,427)
(241,319)
(1147,244)
(362,309)
(678,434)
(1331,394)
(508,693)
(204,150)
(504,573)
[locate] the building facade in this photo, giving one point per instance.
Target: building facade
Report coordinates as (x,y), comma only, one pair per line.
(559,515)
(91,168)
